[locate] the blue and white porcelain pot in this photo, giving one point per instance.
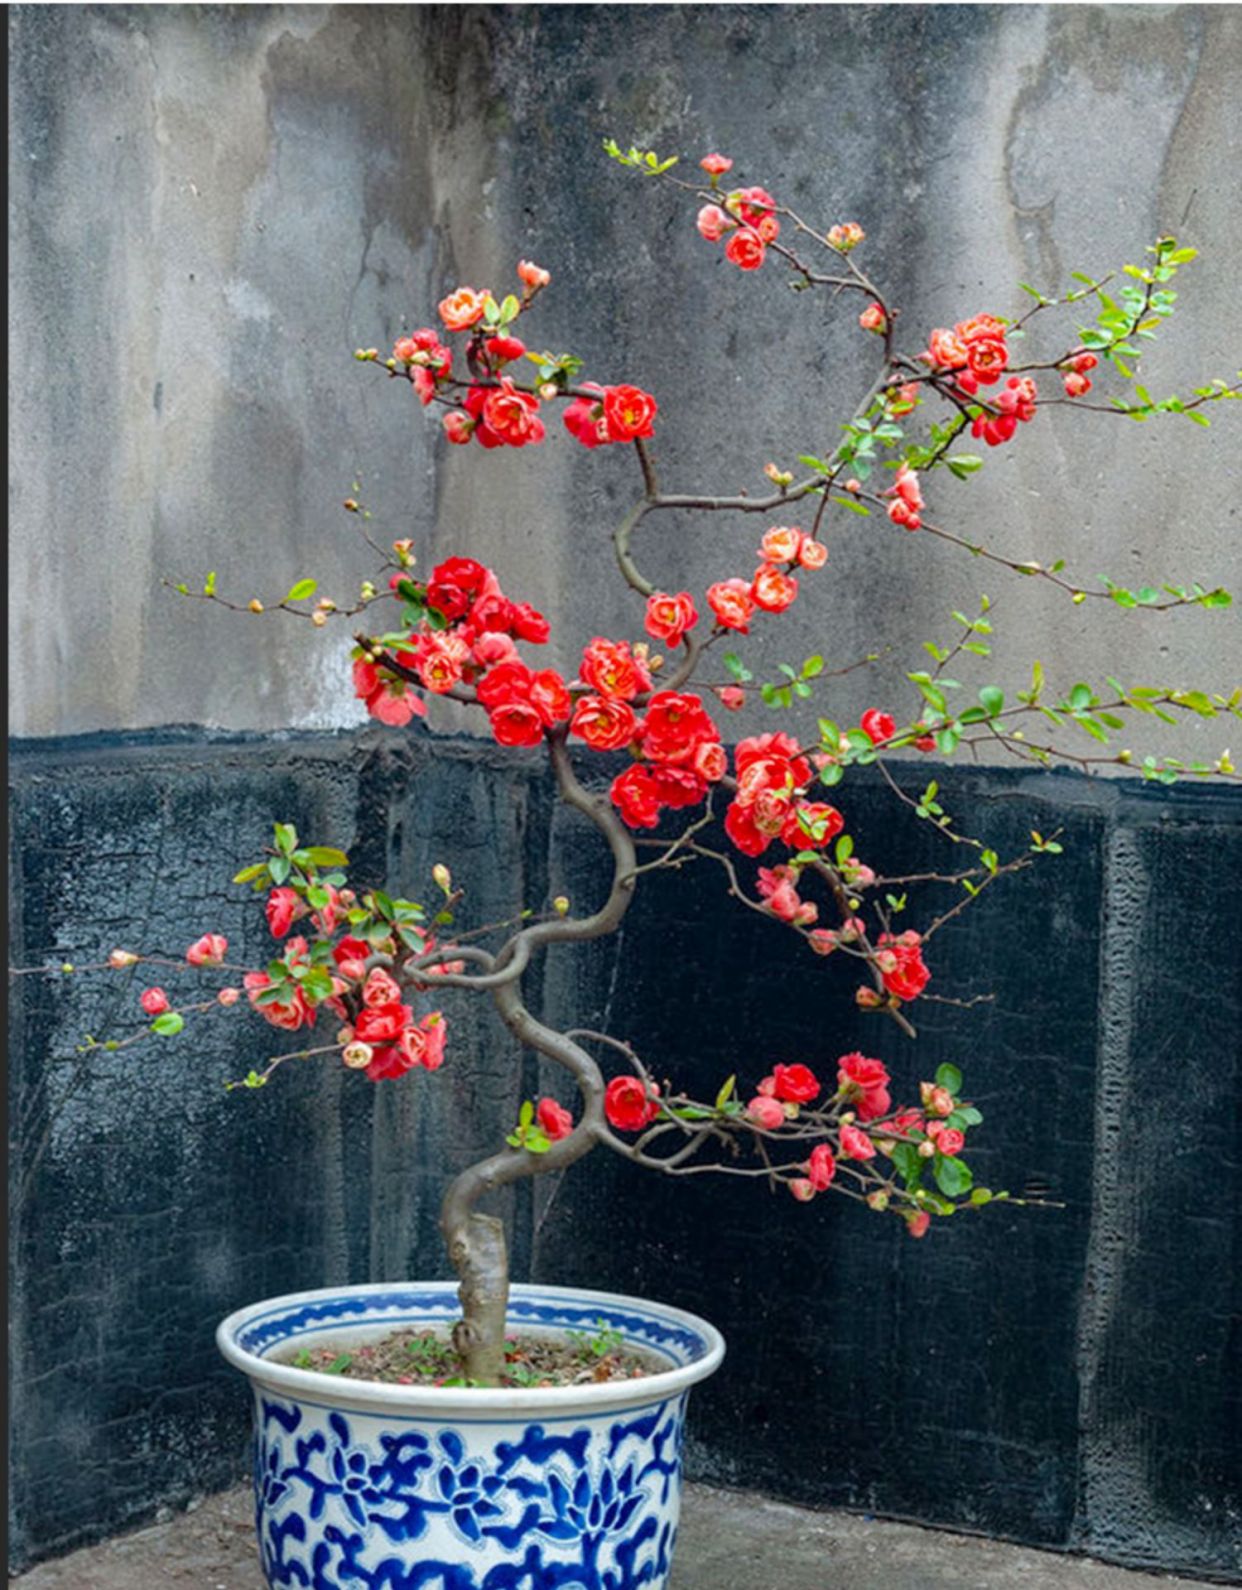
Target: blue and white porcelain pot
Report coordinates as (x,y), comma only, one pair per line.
(368,1486)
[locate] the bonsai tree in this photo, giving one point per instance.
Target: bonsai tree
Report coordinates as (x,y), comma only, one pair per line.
(370,978)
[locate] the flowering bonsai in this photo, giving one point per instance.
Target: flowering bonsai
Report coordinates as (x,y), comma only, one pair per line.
(368,980)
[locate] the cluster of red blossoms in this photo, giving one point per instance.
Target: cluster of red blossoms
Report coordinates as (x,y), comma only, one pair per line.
(976,354)
(496,412)
(747,221)
(477,646)
(772,588)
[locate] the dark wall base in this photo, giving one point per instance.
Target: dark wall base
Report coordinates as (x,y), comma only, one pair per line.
(1066,1377)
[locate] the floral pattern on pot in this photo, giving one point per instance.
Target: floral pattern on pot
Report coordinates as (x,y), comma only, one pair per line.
(590,1503)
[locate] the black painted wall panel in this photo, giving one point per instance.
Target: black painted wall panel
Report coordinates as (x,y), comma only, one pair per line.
(1063,1376)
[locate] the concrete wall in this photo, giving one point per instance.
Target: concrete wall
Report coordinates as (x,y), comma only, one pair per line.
(213,206)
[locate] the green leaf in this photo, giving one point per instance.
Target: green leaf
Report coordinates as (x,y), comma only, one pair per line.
(279,869)
(326,856)
(169,1024)
(286,838)
(909,1165)
(339,1365)
(993,700)
(963,464)
(726,1093)
(852,504)
(950,1079)
(209,585)
(249,874)
(952,1176)
(302,590)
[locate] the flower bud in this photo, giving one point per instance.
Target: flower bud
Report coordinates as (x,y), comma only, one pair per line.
(228,996)
(357,1056)
(256,606)
(561,905)
(548,391)
(319,619)
(926,1148)
(66,967)
(802,1189)
(119,959)
(366,590)
(877,1200)
(350,505)
(1125,756)
(442,877)
(868,999)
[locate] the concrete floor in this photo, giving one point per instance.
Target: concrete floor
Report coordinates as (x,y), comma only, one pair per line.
(727,1541)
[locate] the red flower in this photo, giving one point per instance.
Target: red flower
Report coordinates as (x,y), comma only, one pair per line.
(516,723)
(382,1023)
(856,1144)
(825,823)
(745,249)
(716,165)
(210,950)
(556,1121)
(462,308)
(154,1001)
(503,349)
(986,357)
(550,697)
(282,907)
(511,416)
(675,726)
(628,411)
(529,624)
(766,1112)
(350,955)
(821,1167)
(677,786)
(636,797)
(289,1014)
(795,1084)
(713,223)
(733,603)
(901,965)
(669,617)
(772,590)
(949,1141)
(504,684)
(877,726)
(584,417)
(604,723)
(866,1084)
(628,1104)
(611,670)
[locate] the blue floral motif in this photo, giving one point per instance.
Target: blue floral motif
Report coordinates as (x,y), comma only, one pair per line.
(559,1509)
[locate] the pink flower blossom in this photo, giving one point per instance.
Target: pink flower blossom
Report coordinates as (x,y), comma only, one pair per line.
(210,950)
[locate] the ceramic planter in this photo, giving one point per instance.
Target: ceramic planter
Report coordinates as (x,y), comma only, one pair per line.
(366,1486)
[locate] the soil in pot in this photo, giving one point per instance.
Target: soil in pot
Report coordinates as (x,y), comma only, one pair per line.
(428,1358)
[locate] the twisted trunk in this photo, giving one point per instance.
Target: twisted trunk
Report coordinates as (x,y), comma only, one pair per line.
(476,1241)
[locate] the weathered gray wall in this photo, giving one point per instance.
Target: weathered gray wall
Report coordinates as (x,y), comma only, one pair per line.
(213,206)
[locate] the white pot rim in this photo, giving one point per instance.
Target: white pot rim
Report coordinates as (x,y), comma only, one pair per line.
(479,1402)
